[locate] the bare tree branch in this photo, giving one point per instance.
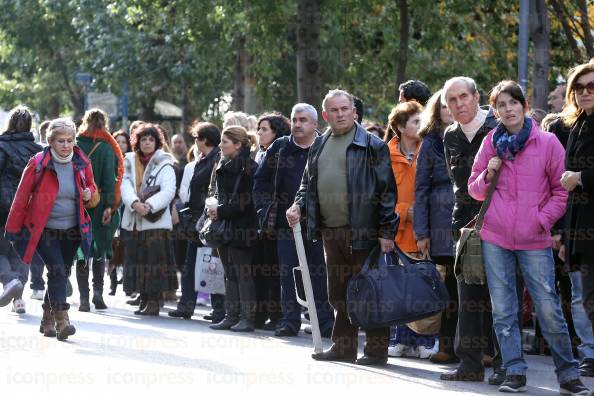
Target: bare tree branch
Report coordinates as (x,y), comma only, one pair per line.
(588,42)
(558,11)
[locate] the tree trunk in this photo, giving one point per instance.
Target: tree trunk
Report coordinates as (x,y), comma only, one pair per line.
(238,92)
(539,31)
(308,52)
(588,42)
(147,110)
(403,45)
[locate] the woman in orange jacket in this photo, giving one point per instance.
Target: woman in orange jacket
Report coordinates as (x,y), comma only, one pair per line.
(403,142)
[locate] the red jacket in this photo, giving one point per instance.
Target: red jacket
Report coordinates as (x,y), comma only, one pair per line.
(35,198)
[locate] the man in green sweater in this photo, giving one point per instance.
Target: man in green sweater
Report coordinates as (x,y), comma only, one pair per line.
(347,196)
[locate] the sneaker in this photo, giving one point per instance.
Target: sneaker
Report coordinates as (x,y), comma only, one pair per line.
(18,306)
(398,350)
(37,295)
(425,352)
(12,290)
(513,384)
(573,387)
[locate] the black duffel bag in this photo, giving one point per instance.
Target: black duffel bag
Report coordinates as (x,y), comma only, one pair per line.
(394,289)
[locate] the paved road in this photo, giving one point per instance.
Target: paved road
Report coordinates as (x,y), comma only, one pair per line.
(116,350)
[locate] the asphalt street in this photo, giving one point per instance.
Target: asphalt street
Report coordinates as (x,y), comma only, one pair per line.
(114,350)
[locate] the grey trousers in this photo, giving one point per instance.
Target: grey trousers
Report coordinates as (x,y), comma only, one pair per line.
(11,265)
(240,295)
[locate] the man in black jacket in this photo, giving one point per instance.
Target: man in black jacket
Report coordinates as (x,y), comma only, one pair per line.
(462,140)
(348,196)
(276,182)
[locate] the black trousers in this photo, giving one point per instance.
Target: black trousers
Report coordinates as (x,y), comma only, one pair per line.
(449,318)
(586,264)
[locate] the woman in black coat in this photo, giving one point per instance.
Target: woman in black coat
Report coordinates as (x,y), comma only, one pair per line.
(236,168)
(207,137)
(434,202)
(578,179)
(17,146)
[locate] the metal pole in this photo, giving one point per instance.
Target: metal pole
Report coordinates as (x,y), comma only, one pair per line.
(310,302)
(523,44)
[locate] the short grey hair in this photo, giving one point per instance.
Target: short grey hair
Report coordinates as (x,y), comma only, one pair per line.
(470,84)
(60,126)
(311,111)
(337,92)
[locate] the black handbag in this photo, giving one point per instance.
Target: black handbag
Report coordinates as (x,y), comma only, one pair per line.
(148,192)
(217,233)
(394,289)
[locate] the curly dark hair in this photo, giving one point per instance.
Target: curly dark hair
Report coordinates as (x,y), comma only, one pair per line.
(415,90)
(150,130)
(279,124)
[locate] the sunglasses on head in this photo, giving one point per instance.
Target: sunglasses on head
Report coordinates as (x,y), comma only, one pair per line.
(579,88)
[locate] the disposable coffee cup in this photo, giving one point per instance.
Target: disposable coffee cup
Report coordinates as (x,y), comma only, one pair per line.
(211,203)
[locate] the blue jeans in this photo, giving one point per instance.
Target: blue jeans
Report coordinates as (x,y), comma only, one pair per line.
(581,323)
(36,268)
(287,260)
(57,248)
(538,269)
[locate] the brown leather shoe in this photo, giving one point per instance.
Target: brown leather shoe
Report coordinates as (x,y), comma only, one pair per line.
(443,358)
(487,361)
(366,360)
(457,375)
(333,356)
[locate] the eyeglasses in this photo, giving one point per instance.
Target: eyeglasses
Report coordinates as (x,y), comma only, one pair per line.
(579,88)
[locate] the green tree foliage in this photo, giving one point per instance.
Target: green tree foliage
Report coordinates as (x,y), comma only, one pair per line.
(186,51)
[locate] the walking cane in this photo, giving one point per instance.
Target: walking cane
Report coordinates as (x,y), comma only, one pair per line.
(309,301)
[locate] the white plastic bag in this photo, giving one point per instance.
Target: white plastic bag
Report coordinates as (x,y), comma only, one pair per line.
(209,272)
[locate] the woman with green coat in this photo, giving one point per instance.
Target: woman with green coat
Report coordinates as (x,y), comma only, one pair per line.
(107,162)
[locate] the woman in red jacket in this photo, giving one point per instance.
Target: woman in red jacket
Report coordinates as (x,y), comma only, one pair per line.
(48,215)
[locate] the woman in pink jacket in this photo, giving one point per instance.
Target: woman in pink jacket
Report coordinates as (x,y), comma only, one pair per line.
(527,201)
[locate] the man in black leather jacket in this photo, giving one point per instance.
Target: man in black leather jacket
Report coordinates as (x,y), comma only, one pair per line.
(347,196)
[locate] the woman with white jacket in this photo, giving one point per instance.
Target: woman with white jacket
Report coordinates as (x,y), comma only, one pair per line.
(149,259)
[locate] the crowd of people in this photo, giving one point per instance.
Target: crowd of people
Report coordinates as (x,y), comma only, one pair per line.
(86,197)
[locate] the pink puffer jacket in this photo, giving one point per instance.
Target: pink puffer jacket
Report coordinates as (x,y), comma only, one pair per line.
(528,199)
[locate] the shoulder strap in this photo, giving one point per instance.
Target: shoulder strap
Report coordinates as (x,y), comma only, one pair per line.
(487,202)
(93,149)
(154,178)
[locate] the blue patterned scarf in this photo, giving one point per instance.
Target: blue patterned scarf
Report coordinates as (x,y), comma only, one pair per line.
(508,144)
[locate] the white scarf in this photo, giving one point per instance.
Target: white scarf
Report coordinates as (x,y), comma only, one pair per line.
(59,159)
(473,126)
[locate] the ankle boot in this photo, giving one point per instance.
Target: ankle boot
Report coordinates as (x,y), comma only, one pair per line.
(243,326)
(98,300)
(142,302)
(63,326)
(84,305)
(224,324)
(151,309)
(47,322)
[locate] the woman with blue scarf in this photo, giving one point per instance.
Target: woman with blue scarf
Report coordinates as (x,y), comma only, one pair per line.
(527,201)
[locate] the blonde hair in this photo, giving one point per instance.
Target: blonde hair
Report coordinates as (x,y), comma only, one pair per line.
(571,110)
(94,119)
(237,134)
(236,118)
(60,126)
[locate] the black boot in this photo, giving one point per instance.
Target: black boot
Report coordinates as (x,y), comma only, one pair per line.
(82,279)
(98,300)
(113,279)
